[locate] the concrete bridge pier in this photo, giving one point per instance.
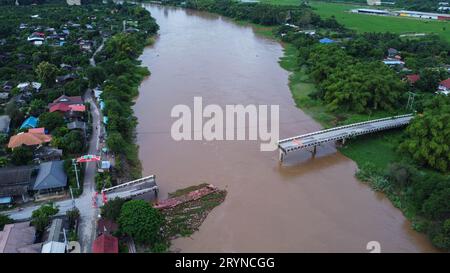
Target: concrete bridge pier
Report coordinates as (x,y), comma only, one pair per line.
(281,156)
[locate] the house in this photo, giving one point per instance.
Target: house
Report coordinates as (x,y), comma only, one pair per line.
(85,45)
(392,52)
(97,93)
(67,100)
(106,244)
(59,107)
(8,86)
(104,166)
(29,86)
(28,139)
(36,40)
(19,238)
(444,86)
(4,96)
(5,120)
(412,78)
(66,78)
(326,41)
(394,63)
(16,181)
(77,125)
(56,242)
(30,122)
(46,153)
(51,177)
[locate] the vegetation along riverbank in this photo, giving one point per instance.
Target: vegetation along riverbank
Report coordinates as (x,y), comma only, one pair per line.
(119,74)
(153,227)
(340,76)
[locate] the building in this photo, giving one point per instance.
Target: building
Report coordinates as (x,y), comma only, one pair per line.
(19,238)
(444,87)
(66,78)
(394,63)
(106,244)
(30,122)
(29,139)
(412,78)
(67,100)
(51,177)
(56,241)
(15,182)
(46,153)
(392,52)
(5,121)
(77,125)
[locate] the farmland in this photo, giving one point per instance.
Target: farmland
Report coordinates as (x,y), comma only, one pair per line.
(371,23)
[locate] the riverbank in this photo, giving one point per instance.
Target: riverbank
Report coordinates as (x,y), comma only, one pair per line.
(379,149)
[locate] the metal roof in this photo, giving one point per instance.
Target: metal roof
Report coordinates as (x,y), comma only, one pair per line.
(51,175)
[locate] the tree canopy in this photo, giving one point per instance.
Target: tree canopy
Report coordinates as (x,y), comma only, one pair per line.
(141,221)
(427,136)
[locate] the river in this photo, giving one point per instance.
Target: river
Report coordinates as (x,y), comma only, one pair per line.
(313,205)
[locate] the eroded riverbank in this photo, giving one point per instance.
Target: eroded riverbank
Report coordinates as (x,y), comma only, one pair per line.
(317,205)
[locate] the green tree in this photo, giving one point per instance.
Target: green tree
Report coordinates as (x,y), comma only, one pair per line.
(427,136)
(40,218)
(37,107)
(51,121)
(22,155)
(46,73)
(141,221)
(73,216)
(4,220)
(112,209)
(96,76)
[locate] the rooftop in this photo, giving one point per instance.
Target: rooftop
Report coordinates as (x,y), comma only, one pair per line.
(106,244)
(51,175)
(18,238)
(15,180)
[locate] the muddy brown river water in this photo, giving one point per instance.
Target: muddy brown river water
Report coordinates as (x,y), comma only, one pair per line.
(307,204)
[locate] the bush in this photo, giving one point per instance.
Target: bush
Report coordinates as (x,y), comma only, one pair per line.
(40,218)
(4,220)
(111,210)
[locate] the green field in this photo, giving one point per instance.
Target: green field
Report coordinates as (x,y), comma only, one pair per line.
(373,23)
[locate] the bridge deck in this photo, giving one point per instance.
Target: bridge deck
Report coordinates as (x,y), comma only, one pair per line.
(132,188)
(342,132)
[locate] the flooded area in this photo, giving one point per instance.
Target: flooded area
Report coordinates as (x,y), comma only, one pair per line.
(306,204)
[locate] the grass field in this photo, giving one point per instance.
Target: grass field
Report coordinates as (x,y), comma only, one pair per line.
(372,23)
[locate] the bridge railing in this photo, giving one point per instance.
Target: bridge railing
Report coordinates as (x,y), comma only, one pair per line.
(140,180)
(347,135)
(343,127)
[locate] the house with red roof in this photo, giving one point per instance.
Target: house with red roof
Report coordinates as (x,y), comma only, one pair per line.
(106,244)
(444,86)
(67,100)
(59,107)
(412,78)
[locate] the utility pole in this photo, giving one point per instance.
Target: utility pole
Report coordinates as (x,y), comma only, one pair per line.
(410,103)
(76,172)
(71,195)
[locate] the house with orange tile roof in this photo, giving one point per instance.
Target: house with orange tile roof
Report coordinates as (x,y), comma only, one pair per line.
(30,138)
